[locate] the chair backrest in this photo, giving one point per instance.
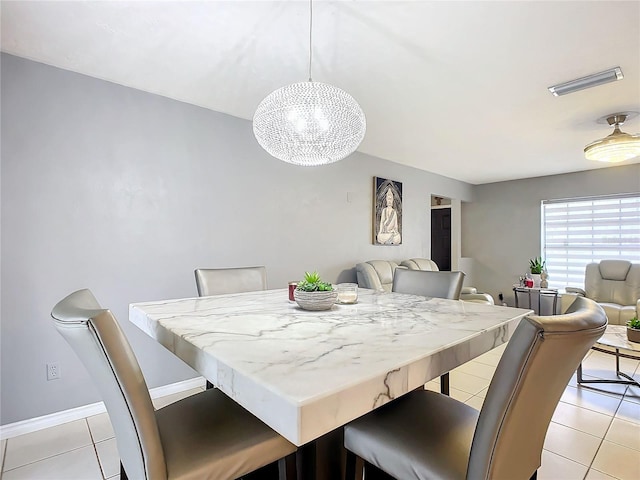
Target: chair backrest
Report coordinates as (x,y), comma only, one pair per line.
(420,264)
(376,274)
(217,281)
(428,283)
(613,281)
(98,340)
(529,380)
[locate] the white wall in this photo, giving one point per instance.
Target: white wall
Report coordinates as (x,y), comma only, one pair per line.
(127,193)
(502,226)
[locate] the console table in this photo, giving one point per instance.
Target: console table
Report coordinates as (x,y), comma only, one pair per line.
(535,295)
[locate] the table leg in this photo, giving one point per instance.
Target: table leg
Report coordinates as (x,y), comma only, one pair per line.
(444,383)
(322,459)
(629,380)
(306,461)
(531,304)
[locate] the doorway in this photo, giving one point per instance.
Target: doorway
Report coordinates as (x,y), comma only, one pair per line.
(441,232)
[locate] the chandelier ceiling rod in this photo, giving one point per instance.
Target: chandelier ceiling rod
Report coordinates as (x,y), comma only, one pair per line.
(310,38)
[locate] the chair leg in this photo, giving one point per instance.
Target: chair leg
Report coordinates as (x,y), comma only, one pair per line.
(354,469)
(287,467)
(123,474)
(350,469)
(444,384)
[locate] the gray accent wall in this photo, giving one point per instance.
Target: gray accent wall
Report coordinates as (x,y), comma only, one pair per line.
(126,193)
(501,228)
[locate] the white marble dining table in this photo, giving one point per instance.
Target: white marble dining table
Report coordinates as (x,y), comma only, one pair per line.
(306,373)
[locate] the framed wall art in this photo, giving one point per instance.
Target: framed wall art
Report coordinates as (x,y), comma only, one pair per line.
(387,212)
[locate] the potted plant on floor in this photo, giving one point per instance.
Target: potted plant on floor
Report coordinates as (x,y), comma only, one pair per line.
(314,294)
(536,265)
(633,330)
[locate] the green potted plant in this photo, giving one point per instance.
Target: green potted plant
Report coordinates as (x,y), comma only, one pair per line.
(314,294)
(633,330)
(536,266)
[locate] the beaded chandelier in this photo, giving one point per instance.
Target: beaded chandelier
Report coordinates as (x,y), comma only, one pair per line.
(309,123)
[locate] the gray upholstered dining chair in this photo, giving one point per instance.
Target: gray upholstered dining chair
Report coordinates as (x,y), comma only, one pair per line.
(428,435)
(206,435)
(467,294)
(430,284)
(217,281)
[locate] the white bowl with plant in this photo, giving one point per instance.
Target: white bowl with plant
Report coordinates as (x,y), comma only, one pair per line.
(314,294)
(633,330)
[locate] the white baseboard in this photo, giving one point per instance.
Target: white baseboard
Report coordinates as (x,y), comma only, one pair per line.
(53,419)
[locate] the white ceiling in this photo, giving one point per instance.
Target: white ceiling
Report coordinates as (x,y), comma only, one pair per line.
(458,88)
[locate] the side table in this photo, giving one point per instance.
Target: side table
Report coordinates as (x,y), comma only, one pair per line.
(615,336)
(535,296)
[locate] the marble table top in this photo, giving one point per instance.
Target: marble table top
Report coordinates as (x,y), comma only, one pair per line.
(616,336)
(307,373)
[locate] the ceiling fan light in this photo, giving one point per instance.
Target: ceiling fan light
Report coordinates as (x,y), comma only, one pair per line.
(309,124)
(617,147)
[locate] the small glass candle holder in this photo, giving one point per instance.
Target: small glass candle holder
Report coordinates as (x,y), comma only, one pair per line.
(347,293)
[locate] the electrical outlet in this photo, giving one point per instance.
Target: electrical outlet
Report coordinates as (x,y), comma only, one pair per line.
(53,371)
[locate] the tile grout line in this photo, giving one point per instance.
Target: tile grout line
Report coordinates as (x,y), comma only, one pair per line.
(604,436)
(2,457)
(45,458)
(622,399)
(95,449)
(619,398)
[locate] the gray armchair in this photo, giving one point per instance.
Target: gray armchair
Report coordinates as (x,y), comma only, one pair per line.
(376,274)
(468,294)
(615,285)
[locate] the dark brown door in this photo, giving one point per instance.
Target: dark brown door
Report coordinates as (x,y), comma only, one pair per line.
(441,237)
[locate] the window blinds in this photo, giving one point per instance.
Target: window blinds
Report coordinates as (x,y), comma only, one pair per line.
(579,231)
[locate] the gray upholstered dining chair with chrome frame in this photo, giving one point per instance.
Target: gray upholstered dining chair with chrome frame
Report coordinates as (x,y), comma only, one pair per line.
(428,435)
(467,294)
(218,281)
(430,284)
(206,435)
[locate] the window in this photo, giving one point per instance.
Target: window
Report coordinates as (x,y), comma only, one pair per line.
(579,231)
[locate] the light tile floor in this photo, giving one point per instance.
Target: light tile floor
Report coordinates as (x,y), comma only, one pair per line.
(594,433)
